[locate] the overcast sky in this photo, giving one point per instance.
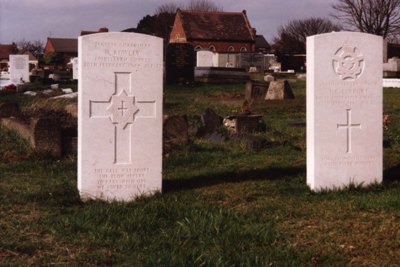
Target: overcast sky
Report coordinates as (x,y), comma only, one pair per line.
(38,19)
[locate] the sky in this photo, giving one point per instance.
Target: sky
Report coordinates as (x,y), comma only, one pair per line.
(33,20)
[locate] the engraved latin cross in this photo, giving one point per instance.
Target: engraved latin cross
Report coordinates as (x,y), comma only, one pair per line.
(122,109)
(348,127)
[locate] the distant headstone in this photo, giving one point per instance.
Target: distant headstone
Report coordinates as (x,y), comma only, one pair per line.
(175,132)
(75,68)
(269,78)
(279,90)
(255,91)
(344,110)
(120,115)
(19,68)
(46,135)
(180,63)
(204,59)
(211,121)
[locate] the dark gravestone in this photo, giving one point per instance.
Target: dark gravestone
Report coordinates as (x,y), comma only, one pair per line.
(211,122)
(255,91)
(46,135)
(180,63)
(175,132)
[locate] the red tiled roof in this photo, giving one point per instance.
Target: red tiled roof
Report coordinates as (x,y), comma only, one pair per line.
(64,45)
(232,26)
(261,42)
(6,50)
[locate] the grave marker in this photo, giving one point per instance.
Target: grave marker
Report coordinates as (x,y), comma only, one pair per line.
(205,59)
(19,68)
(120,116)
(180,63)
(344,110)
(75,68)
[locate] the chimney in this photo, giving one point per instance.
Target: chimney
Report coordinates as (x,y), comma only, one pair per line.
(104,29)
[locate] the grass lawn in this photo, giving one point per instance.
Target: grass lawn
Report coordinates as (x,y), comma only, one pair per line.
(222,204)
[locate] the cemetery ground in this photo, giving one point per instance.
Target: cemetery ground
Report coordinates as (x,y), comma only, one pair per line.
(223,203)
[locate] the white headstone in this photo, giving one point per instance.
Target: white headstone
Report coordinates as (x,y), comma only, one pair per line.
(344,110)
(75,68)
(19,68)
(120,115)
(205,59)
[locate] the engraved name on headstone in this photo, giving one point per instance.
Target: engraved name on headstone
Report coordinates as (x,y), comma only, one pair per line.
(120,116)
(344,110)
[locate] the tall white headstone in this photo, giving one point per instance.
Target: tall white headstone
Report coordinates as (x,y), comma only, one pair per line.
(344,110)
(120,115)
(19,68)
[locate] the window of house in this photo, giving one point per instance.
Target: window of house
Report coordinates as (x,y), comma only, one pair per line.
(231,49)
(211,48)
(198,48)
(243,49)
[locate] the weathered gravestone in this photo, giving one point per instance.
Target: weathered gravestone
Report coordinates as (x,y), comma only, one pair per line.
(279,90)
(120,116)
(19,68)
(344,110)
(255,91)
(180,63)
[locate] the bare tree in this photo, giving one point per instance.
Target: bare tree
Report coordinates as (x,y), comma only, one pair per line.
(292,36)
(380,17)
(160,24)
(203,5)
(169,8)
(35,47)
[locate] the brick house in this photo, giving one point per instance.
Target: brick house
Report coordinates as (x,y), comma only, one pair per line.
(5,51)
(67,48)
(215,31)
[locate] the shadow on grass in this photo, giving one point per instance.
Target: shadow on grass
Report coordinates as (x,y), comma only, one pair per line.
(231,177)
(392,174)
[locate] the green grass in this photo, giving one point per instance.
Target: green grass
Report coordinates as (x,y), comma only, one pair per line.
(222,204)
